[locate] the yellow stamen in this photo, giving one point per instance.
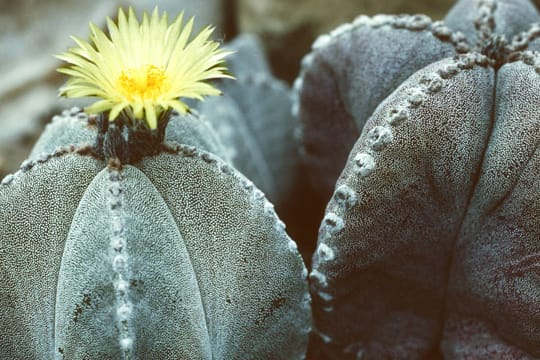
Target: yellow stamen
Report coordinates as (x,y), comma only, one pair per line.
(143,69)
(144,83)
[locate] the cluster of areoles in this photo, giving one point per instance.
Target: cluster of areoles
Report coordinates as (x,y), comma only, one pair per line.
(485,21)
(120,262)
(523,39)
(407,22)
(496,46)
(532,59)
(73,114)
(42,158)
(377,139)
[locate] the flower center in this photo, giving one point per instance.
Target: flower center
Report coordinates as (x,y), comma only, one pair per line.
(145,83)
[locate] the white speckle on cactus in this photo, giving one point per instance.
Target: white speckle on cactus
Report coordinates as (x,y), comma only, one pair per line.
(319,278)
(379,137)
(292,246)
(295,109)
(113,203)
(82,116)
(268,208)
(117,224)
(209,158)
(258,195)
(466,61)
(114,189)
(327,309)
(74,110)
(490,4)
(321,41)
(325,338)
(325,252)
(333,223)
(448,71)
(26,165)
(298,133)
(307,60)
(365,164)
(119,263)
(280,225)
(458,37)
(433,82)
(226,169)
(118,243)
(8,179)
(247,184)
(325,296)
(416,97)
(528,58)
(304,273)
(418,22)
(397,116)
(126,344)
(124,311)
(121,285)
(380,20)
(297,85)
(345,197)
(43,157)
(440,30)
(361,20)
(342,29)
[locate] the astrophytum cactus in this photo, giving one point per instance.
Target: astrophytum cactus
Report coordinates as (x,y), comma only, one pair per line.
(175,256)
(429,247)
(128,235)
(353,68)
(254,122)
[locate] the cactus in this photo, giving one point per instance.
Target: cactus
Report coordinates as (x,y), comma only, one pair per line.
(429,245)
(254,121)
(353,68)
(175,256)
(129,234)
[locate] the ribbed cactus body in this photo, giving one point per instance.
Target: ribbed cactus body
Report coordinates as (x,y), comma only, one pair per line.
(174,255)
(254,122)
(429,245)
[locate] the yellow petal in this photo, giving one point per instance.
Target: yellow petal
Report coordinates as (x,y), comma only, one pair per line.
(143,68)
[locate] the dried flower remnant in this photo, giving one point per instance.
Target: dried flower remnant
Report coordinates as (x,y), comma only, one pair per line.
(141,70)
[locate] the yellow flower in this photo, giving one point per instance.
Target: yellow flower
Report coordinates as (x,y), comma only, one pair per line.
(143,69)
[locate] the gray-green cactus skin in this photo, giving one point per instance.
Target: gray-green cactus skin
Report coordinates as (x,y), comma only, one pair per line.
(175,255)
(254,122)
(353,68)
(429,247)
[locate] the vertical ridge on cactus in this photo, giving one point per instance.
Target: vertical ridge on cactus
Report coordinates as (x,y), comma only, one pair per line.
(238,236)
(428,247)
(153,245)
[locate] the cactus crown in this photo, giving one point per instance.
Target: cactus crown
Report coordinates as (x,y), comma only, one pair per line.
(140,72)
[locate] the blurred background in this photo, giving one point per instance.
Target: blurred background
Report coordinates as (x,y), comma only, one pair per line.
(32,31)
